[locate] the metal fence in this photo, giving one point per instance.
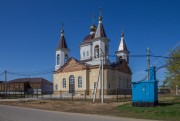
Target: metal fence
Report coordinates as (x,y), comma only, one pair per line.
(164,91)
(118,95)
(124,95)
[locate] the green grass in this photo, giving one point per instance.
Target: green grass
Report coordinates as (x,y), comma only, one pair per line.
(168,109)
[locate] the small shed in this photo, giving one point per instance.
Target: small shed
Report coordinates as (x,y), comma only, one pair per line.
(145,93)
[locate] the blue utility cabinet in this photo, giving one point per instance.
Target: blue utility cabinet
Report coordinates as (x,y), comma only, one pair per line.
(145,93)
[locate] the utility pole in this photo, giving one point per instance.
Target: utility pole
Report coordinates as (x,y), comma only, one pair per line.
(5,78)
(102,84)
(102,77)
(148,60)
(96,83)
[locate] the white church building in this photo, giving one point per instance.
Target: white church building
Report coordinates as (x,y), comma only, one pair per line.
(72,75)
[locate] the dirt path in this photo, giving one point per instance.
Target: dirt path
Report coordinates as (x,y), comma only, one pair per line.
(68,106)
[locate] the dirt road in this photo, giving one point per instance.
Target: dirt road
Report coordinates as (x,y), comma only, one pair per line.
(10,113)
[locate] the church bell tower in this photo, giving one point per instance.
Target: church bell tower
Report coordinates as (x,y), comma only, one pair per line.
(122,52)
(62,52)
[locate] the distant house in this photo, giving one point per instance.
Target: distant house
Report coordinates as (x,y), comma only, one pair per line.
(28,86)
(2,86)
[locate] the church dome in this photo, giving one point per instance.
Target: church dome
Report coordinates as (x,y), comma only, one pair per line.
(91,35)
(88,38)
(93,28)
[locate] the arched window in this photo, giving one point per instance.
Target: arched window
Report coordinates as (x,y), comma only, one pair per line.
(64,83)
(66,58)
(71,79)
(79,82)
(120,58)
(83,54)
(96,51)
(87,53)
(71,84)
(58,59)
(56,87)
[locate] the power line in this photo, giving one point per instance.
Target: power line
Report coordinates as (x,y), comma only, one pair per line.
(40,71)
(49,71)
(1,73)
(146,77)
(166,65)
(34,73)
(157,58)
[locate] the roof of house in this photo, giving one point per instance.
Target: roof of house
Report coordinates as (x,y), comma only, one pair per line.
(32,80)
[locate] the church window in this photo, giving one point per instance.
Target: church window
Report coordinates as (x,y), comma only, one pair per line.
(120,57)
(83,54)
(79,82)
(71,84)
(71,79)
(58,59)
(66,58)
(96,51)
(64,83)
(56,87)
(87,53)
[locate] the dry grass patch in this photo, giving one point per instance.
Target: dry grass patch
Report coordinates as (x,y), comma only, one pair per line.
(69,106)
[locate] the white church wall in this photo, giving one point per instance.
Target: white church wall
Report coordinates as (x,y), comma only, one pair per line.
(62,54)
(96,61)
(86,49)
(57,65)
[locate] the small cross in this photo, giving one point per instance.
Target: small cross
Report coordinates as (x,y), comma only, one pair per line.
(93,16)
(100,11)
(62,25)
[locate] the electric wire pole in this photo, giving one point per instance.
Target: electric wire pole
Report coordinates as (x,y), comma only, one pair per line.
(102,77)
(5,78)
(148,60)
(102,82)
